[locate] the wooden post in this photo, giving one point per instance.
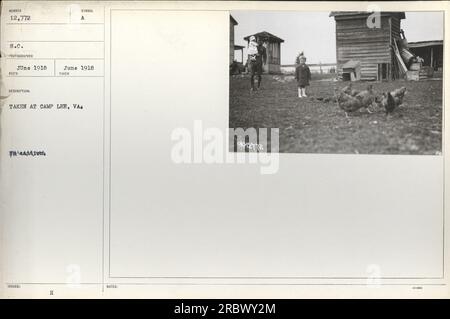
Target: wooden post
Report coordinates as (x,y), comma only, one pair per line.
(278,53)
(431,57)
(389,75)
(378,72)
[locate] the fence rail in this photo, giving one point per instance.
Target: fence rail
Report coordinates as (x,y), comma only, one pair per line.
(313,65)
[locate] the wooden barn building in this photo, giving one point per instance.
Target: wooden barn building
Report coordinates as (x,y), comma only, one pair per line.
(368,47)
(233,23)
(235,47)
(272,44)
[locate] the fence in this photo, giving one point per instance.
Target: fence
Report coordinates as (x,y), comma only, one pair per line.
(315,67)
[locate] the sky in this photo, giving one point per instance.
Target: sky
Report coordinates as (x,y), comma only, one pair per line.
(314,32)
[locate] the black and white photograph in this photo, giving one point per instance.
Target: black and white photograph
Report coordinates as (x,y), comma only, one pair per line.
(340,82)
(250,151)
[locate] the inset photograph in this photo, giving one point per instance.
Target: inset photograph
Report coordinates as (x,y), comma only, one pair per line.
(343,82)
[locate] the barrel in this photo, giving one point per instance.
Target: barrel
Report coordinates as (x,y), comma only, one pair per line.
(406,56)
(403,43)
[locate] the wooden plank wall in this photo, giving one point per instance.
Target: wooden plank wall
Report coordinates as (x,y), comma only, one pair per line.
(272,68)
(356,41)
(395,22)
(231,42)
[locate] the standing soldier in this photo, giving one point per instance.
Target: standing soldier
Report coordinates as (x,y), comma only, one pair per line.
(256,58)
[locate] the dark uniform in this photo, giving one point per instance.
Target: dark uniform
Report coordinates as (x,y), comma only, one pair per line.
(255,65)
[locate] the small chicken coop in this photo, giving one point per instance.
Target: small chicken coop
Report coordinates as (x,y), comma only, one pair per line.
(272,43)
(359,39)
(351,71)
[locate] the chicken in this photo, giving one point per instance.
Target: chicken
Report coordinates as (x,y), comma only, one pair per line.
(367,97)
(388,102)
(349,90)
(398,95)
(347,102)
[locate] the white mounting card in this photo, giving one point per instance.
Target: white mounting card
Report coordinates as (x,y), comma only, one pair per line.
(223,149)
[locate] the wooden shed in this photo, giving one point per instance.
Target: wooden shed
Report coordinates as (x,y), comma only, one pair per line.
(239,57)
(432,52)
(359,39)
(272,44)
(233,23)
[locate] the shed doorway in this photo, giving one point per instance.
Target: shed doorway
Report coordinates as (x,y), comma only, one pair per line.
(384,71)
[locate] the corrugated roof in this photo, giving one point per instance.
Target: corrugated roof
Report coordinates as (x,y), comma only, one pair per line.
(265,35)
(420,44)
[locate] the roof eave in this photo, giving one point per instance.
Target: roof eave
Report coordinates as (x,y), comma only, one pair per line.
(233,20)
(269,35)
(421,44)
(352,14)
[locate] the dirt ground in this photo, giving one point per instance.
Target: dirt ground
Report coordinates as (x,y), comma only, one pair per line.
(311,126)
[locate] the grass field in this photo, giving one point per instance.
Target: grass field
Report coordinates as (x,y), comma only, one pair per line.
(310,126)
